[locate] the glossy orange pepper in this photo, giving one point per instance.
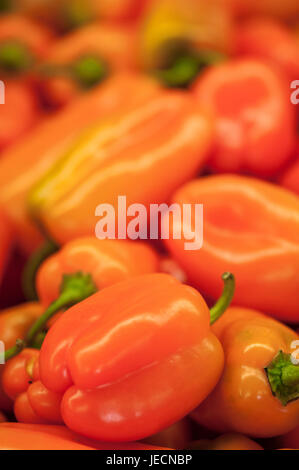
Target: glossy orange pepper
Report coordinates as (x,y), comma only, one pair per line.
(255,120)
(106,261)
(18,436)
(33,403)
(84,58)
(226,442)
(250,228)
(129,155)
(14,324)
(120,357)
(256,38)
(176,436)
(26,162)
(258,391)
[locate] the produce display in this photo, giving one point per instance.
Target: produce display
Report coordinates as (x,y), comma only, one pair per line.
(149,226)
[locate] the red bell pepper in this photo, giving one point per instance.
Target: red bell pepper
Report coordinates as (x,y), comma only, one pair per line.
(255,119)
(120,357)
(6,242)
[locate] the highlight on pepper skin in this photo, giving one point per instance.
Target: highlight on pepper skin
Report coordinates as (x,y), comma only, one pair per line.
(149,227)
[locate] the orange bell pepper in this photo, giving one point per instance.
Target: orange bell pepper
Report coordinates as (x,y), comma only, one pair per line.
(226,442)
(129,154)
(80,269)
(176,436)
(251,228)
(84,58)
(14,324)
(255,120)
(106,261)
(153,333)
(26,162)
(33,403)
(258,391)
(256,38)
(17,436)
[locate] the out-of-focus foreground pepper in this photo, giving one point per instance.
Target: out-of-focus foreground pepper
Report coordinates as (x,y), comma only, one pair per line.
(23,165)
(22,43)
(259,389)
(119,357)
(14,324)
(226,442)
(256,38)
(81,60)
(250,228)
(179,37)
(128,154)
(255,120)
(17,436)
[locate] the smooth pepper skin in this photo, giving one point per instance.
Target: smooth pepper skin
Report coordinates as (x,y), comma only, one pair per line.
(107,261)
(113,46)
(19,436)
(14,323)
(129,155)
(255,120)
(243,401)
(250,228)
(124,359)
(24,164)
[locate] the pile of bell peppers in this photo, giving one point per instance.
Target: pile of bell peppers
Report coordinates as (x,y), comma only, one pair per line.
(139,343)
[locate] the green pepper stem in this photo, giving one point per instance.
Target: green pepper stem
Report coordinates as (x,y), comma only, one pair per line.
(87,71)
(74,289)
(15,350)
(15,58)
(29,274)
(283,377)
(186,66)
(76,13)
(226,297)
